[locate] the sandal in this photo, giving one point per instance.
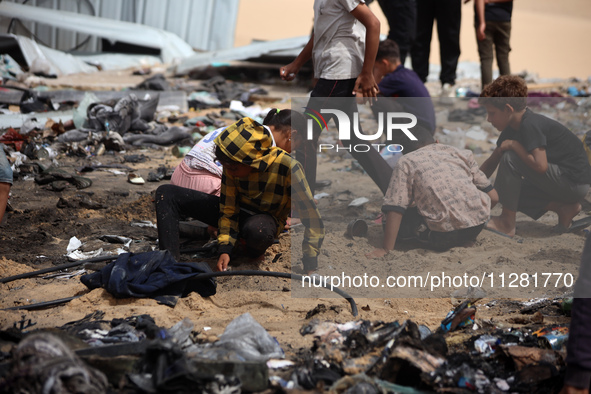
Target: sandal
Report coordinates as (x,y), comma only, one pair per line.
(135,179)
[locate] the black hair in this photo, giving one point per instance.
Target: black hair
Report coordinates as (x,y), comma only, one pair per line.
(222,157)
(285,119)
(389,50)
(424,138)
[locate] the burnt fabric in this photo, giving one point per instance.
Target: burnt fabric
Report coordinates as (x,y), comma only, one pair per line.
(151,275)
(43,363)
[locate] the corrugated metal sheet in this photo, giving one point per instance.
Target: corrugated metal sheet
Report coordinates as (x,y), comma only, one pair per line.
(170,46)
(245,52)
(206,25)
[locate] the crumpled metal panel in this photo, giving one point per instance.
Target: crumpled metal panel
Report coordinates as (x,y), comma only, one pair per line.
(172,48)
(205,25)
(245,52)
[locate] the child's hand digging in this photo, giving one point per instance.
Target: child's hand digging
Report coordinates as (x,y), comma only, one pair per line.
(223,262)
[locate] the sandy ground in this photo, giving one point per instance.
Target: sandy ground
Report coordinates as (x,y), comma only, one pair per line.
(547,36)
(36,234)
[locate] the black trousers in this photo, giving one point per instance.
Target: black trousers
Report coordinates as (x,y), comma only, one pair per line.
(338,94)
(257,231)
(402,19)
(448,14)
(413,227)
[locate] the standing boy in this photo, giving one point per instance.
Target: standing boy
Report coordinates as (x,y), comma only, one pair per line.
(542,164)
(493,29)
(343,49)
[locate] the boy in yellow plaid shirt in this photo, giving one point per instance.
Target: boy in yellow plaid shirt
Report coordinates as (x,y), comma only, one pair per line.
(258,184)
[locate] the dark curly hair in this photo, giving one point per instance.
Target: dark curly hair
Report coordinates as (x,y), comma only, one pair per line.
(389,50)
(506,89)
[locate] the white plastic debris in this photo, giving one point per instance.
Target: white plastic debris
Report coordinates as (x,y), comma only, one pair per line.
(78,255)
(320,196)
(359,202)
(486,345)
(117,172)
(502,384)
(143,223)
(279,364)
(74,244)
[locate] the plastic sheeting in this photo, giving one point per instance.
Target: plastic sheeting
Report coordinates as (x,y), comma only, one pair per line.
(48,61)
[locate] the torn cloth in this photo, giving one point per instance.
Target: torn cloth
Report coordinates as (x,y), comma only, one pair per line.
(152,274)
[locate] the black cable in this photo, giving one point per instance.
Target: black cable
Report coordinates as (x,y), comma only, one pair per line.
(41,305)
(57,268)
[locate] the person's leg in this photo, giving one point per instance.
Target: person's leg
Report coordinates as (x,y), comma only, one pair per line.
(565,211)
(502,37)
(563,198)
(421,47)
(401,16)
(449,20)
(5,181)
(339,95)
(521,188)
(388,10)
(174,202)
(371,161)
(446,240)
(362,151)
(321,96)
(258,232)
(412,225)
(485,52)
(508,184)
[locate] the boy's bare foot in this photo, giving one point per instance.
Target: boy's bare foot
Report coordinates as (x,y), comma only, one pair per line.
(566,212)
(499,225)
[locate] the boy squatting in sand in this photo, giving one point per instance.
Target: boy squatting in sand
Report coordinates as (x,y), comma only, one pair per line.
(259,182)
(542,164)
(437,195)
